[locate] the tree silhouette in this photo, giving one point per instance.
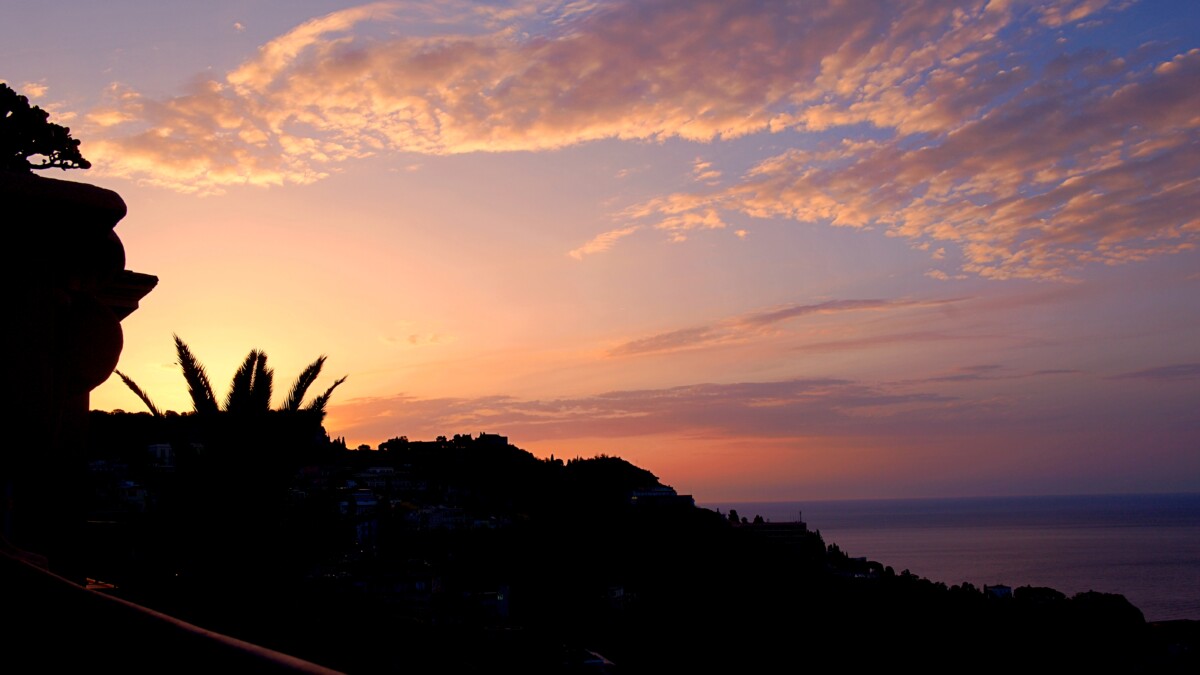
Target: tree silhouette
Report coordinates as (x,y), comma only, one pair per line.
(26,131)
(140,394)
(249,391)
(303,382)
(309,375)
(318,404)
(199,388)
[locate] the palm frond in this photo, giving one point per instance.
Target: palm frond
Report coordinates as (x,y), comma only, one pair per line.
(241,388)
(318,404)
(199,388)
(303,382)
(264,378)
(140,393)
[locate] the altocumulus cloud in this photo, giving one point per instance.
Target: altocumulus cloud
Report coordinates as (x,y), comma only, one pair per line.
(922,118)
(1031,175)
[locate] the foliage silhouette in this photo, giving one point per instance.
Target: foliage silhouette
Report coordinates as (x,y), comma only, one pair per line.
(140,394)
(318,404)
(250,390)
(303,382)
(25,132)
(199,388)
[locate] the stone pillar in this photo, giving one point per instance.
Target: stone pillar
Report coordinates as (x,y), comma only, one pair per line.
(67,289)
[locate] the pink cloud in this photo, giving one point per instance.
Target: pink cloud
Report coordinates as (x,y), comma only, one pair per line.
(1028,171)
(531,77)
(602,242)
(1068,170)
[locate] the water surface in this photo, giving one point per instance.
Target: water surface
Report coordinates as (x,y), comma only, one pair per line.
(1145,547)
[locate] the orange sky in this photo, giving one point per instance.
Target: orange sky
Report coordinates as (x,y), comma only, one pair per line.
(766,250)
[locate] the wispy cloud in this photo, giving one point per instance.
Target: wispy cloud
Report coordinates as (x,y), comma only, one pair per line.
(415,339)
(872,341)
(792,311)
(670,341)
(758,409)
(704,172)
(740,327)
(1179,372)
(602,242)
(985,372)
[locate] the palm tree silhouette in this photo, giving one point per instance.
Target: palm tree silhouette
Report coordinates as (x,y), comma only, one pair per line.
(307,377)
(250,390)
(199,388)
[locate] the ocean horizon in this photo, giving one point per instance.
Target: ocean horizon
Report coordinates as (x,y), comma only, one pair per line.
(1143,546)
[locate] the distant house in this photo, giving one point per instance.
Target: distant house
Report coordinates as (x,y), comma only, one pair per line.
(162,455)
(379,478)
(661,496)
(998,591)
(491,440)
(358,502)
(438,518)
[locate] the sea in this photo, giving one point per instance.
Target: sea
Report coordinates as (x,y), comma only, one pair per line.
(1145,547)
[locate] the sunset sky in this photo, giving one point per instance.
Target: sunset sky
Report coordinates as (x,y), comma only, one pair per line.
(766,250)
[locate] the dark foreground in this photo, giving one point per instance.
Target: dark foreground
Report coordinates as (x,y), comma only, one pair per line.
(470,555)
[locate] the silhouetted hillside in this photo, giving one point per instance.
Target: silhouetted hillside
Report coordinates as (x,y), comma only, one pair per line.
(468,554)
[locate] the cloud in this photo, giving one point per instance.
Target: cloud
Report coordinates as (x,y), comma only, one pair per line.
(602,242)
(868,342)
(33,90)
(936,126)
(414,339)
(739,328)
(670,341)
(984,372)
(1179,372)
(1091,161)
(323,93)
(704,172)
(787,312)
(758,409)
(537,77)
(1058,14)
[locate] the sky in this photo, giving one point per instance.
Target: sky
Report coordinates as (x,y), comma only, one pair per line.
(766,250)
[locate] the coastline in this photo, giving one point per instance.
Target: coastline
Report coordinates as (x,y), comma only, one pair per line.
(1145,547)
